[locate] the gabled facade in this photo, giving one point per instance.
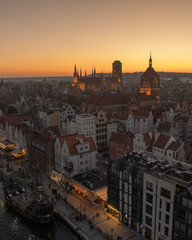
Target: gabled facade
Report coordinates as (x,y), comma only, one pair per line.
(120,145)
(75,154)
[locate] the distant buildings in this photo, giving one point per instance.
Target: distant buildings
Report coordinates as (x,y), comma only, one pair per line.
(49,118)
(100,83)
(120,144)
(104,130)
(150,82)
(119,103)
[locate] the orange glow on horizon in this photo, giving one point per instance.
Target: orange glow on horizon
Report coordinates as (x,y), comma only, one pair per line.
(46,38)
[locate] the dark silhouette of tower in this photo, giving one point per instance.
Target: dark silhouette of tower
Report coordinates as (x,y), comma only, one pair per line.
(117,72)
(150,82)
(75,76)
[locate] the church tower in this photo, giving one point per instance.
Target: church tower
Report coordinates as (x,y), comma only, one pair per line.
(117,73)
(75,75)
(150,82)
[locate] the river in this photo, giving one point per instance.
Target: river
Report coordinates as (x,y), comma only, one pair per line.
(15,227)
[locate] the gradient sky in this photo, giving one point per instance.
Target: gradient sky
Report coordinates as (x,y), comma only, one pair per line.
(46,37)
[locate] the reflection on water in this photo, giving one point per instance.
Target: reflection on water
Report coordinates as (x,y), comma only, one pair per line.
(15,227)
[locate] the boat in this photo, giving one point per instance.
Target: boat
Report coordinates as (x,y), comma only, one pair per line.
(29,203)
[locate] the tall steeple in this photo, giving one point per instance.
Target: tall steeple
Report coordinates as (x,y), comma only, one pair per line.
(80,73)
(150,61)
(92,71)
(75,76)
(85,73)
(75,69)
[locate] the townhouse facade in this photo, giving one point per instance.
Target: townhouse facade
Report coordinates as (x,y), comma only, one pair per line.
(49,118)
(120,145)
(104,129)
(75,154)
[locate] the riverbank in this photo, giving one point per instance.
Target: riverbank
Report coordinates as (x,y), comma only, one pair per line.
(86,220)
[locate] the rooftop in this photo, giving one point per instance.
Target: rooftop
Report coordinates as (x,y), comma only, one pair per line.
(85,115)
(92,180)
(178,173)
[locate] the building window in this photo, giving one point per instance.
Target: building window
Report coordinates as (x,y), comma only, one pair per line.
(167,206)
(81,170)
(167,219)
(148,221)
(160,203)
(81,162)
(159,227)
(166,231)
(81,155)
(159,215)
(149,186)
(149,209)
(149,198)
(165,193)
(86,161)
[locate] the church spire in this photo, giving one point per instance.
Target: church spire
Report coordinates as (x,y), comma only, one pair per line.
(75,69)
(150,61)
(92,71)
(85,73)
(80,73)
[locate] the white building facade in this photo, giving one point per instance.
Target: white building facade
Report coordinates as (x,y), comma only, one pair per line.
(75,154)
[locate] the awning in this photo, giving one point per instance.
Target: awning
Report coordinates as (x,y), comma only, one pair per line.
(102,193)
(79,188)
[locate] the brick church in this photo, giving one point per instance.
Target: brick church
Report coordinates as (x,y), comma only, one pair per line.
(95,83)
(150,82)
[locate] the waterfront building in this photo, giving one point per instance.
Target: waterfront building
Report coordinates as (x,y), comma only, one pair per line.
(41,151)
(152,197)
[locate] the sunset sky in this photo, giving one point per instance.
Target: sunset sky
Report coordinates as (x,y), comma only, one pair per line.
(46,37)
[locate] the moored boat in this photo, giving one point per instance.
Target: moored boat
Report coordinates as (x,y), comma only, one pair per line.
(28,203)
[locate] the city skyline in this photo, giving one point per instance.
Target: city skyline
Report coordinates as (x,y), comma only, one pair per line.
(46,38)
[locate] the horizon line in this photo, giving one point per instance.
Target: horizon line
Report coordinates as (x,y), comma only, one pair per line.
(48,76)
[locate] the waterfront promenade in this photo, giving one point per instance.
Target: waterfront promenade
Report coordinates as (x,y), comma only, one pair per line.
(96,224)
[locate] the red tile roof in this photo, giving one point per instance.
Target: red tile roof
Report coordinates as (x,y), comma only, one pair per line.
(150,72)
(162,141)
(121,138)
(73,139)
(164,126)
(117,99)
(188,155)
(120,116)
(174,146)
(147,139)
(143,114)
